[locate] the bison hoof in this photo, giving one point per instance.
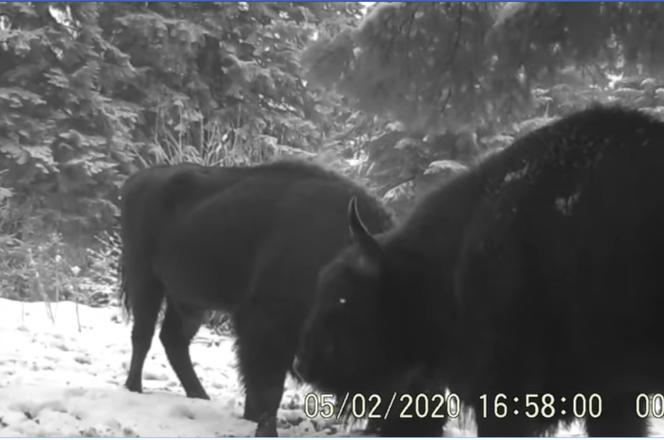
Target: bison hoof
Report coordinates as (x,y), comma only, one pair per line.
(200,395)
(134,387)
(267,427)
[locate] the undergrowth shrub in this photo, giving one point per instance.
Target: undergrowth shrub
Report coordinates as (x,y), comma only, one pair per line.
(38,264)
(34,269)
(99,283)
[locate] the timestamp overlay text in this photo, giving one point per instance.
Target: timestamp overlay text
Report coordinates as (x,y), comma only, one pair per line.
(501,405)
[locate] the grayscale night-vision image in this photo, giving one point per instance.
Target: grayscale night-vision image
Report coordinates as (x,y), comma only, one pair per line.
(331,219)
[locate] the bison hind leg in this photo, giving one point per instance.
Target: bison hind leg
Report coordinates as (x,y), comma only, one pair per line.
(179,327)
(144,297)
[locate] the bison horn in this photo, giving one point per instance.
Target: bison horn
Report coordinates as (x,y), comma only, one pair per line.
(359,232)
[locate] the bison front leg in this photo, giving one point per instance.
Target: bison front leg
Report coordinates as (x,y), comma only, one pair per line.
(264,385)
(265,352)
(267,420)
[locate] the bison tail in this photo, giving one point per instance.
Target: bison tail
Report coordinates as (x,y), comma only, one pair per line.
(122,275)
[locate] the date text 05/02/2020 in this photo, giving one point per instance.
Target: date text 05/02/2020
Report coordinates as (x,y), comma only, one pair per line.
(374,406)
(499,406)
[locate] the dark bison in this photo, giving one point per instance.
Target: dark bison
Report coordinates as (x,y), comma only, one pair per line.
(246,240)
(540,271)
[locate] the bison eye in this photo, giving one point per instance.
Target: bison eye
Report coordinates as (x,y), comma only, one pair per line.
(343,300)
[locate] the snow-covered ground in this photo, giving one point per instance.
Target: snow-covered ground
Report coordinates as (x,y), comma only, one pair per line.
(58,381)
(61,374)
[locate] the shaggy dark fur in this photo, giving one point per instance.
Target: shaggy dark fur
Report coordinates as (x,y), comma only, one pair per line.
(246,240)
(539,271)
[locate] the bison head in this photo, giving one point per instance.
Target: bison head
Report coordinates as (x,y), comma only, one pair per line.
(349,341)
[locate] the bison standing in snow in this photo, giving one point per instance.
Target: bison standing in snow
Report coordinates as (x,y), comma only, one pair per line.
(248,240)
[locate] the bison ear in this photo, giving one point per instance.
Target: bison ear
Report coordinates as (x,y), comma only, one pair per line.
(359,232)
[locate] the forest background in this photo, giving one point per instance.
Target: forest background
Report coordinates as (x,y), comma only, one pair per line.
(397,96)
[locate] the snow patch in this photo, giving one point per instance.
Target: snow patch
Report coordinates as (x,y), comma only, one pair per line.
(58,381)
